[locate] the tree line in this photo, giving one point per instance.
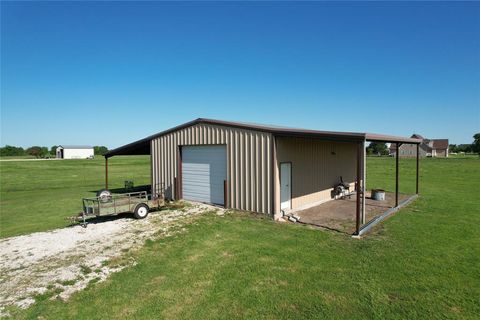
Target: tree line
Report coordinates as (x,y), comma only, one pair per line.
(374,148)
(41,152)
(379,148)
(473,147)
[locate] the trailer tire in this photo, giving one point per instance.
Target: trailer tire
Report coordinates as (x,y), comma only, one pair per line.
(141,211)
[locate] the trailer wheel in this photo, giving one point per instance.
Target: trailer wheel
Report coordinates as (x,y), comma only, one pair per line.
(141,211)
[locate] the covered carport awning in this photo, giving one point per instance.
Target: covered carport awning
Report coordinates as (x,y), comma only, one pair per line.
(140,147)
(361,162)
(359,140)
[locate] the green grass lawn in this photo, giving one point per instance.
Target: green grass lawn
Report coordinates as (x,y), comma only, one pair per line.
(38,195)
(422,263)
(16,157)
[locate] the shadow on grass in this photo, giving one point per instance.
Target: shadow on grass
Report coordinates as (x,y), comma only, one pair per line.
(324,227)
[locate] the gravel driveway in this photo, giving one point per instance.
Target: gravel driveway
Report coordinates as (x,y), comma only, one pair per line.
(66,260)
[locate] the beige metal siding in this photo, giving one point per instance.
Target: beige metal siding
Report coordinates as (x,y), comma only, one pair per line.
(249,163)
(441,153)
(316,168)
(408,150)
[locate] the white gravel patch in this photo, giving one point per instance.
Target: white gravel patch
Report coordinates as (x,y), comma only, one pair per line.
(67,259)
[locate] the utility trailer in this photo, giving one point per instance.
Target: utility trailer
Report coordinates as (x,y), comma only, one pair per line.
(106,203)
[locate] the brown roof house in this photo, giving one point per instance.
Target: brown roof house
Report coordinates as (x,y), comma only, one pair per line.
(428,148)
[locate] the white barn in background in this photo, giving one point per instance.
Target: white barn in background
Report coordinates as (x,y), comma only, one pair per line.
(74,152)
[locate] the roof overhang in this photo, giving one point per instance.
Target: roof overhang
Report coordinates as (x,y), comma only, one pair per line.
(386,138)
(74,147)
(142,146)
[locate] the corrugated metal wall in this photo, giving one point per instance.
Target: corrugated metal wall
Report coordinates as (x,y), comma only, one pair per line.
(249,167)
(316,167)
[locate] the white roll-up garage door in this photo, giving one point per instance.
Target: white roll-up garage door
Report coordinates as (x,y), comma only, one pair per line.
(204,168)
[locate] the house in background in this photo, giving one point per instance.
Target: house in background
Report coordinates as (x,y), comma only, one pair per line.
(428,148)
(74,152)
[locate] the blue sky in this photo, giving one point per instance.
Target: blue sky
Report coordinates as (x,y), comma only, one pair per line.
(109,73)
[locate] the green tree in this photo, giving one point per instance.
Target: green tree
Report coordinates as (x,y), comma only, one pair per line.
(377,148)
(452,148)
(467,148)
(53,150)
(35,151)
(38,152)
(9,151)
(45,152)
(100,150)
(476,143)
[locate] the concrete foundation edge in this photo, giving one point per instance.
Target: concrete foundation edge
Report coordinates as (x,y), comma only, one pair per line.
(367,227)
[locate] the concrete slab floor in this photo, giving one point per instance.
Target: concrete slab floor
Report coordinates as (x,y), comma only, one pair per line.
(339,214)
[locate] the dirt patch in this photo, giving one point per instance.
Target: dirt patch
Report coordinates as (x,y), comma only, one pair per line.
(66,260)
(340,214)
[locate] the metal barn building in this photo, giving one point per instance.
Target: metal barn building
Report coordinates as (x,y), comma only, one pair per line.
(74,152)
(261,168)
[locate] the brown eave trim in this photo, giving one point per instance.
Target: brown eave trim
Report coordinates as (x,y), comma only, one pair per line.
(386,138)
(286,132)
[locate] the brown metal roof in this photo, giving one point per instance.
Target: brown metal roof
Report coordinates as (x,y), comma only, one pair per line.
(440,143)
(143,146)
(417,136)
(388,138)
